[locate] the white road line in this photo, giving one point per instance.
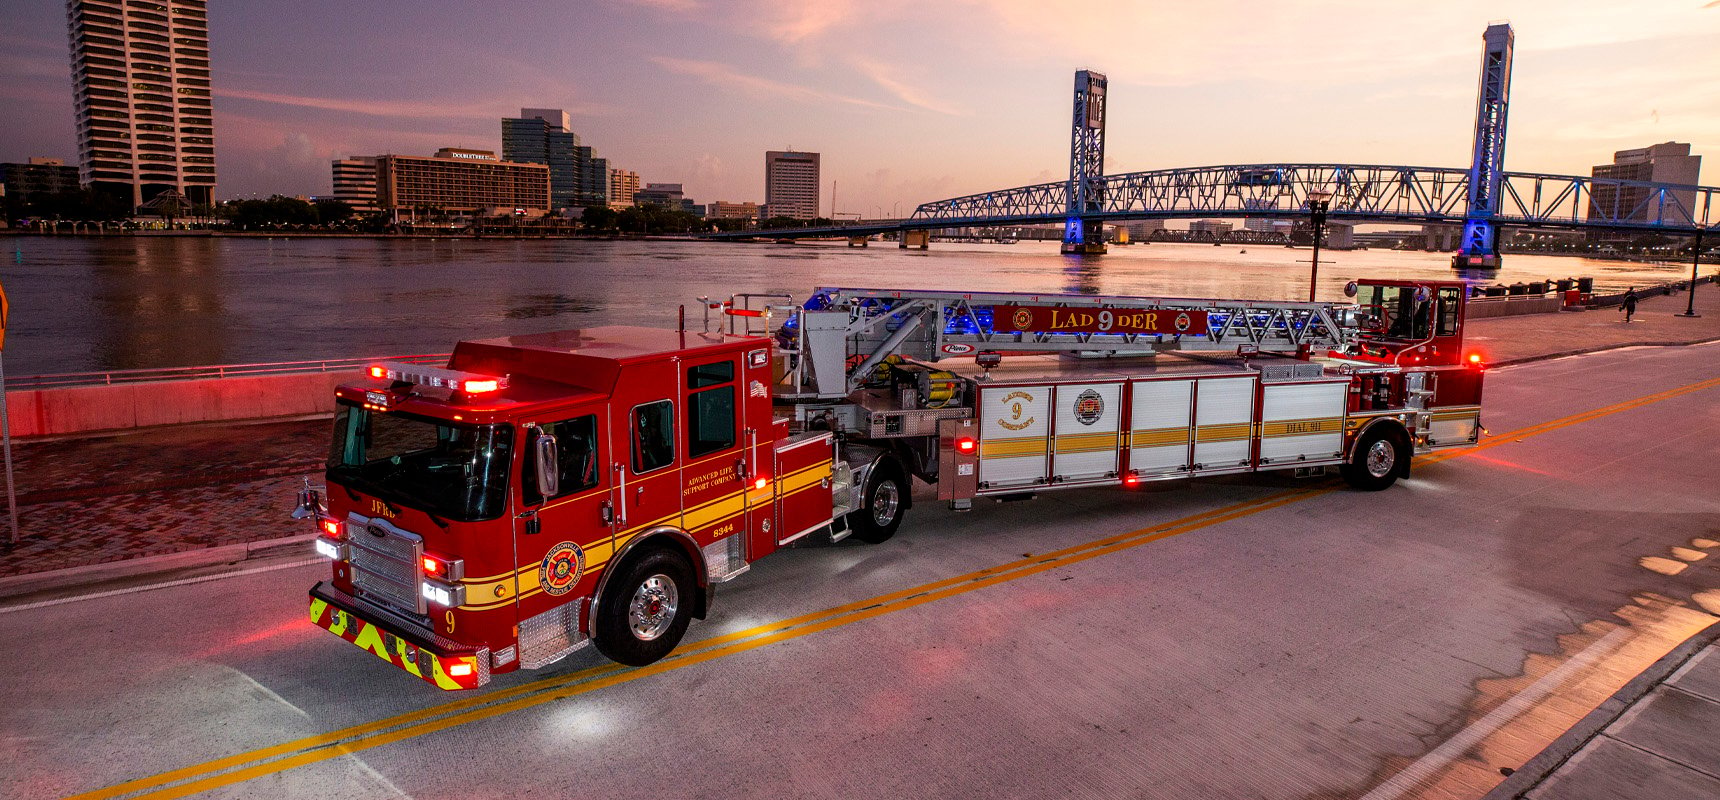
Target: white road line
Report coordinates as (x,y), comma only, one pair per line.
(163,585)
(1429,765)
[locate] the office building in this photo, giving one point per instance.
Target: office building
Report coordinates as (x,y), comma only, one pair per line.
(140,75)
(1141,229)
(790,184)
(593,186)
(37,179)
(1669,162)
(460,182)
(1210,226)
(355,183)
(545,136)
(623,183)
(722,209)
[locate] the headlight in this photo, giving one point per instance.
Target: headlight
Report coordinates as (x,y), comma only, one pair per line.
(330,548)
(444,594)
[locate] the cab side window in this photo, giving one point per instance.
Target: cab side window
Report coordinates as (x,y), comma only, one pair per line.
(1448,305)
(576,457)
(711,410)
(652,429)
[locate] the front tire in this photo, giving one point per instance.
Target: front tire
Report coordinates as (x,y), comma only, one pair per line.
(883,504)
(1379,457)
(645,611)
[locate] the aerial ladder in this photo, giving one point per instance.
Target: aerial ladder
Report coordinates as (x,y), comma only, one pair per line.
(834,342)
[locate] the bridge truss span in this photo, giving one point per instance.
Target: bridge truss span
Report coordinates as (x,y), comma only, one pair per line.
(1357,192)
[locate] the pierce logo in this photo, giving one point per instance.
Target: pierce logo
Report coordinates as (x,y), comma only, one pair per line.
(956,348)
(562,568)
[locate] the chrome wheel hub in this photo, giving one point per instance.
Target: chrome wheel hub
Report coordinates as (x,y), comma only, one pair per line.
(652,610)
(885,500)
(1381,458)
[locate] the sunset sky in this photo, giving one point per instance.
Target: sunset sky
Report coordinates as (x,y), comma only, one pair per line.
(910,101)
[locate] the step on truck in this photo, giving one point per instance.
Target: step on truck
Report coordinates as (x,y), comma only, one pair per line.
(550,491)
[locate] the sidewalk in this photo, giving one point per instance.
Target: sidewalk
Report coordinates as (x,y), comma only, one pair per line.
(172,490)
(1652,741)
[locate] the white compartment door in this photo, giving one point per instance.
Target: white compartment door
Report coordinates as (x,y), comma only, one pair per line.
(1089,426)
(1224,424)
(1302,423)
(1015,426)
(1160,431)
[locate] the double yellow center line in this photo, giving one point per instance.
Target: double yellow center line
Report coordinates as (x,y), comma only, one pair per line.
(334,744)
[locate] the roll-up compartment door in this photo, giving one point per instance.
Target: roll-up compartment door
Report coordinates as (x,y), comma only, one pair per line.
(1089,425)
(1224,424)
(1302,423)
(1015,427)
(1159,432)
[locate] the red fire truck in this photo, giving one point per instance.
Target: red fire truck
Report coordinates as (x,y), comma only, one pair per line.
(549,491)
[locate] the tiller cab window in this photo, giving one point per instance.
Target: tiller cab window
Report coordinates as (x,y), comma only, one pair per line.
(447,469)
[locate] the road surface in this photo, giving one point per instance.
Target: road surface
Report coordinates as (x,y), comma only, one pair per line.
(1255,636)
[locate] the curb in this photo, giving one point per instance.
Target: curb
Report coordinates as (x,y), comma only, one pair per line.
(127,573)
(1537,769)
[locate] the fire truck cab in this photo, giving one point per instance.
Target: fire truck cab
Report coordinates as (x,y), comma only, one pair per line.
(546,490)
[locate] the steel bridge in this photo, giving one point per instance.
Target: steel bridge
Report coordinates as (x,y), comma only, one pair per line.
(1482,197)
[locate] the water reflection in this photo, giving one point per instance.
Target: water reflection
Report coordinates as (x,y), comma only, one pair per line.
(85,304)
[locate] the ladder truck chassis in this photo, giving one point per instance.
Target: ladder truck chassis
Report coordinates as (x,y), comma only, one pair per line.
(548,492)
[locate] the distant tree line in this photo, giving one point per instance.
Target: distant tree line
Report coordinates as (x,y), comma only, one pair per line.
(282,210)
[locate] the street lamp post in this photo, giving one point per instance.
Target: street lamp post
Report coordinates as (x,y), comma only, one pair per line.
(1695,259)
(1317,206)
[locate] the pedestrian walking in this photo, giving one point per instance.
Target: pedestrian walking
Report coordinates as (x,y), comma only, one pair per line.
(1629,305)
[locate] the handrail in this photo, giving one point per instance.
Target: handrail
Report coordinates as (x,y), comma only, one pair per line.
(121,376)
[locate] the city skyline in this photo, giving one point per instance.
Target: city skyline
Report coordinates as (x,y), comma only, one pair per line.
(681,91)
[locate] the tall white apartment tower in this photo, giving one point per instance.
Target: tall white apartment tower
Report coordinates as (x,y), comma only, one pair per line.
(790,184)
(140,75)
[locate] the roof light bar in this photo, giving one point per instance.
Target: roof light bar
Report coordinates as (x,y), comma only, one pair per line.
(437,377)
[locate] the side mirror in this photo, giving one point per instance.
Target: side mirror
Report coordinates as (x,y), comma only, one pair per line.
(544,460)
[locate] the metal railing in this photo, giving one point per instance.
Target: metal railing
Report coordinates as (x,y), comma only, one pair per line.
(123,376)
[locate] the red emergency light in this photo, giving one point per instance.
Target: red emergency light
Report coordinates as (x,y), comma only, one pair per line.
(437,377)
(760,482)
(331,527)
(966,444)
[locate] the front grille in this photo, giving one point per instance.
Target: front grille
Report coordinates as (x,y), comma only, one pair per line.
(385,564)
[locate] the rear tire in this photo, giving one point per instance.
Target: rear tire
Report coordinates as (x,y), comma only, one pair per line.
(1379,457)
(882,506)
(644,612)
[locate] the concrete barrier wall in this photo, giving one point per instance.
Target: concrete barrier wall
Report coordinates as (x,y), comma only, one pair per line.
(1510,307)
(83,409)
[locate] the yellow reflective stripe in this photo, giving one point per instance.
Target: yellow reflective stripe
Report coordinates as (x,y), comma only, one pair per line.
(1086,442)
(317,608)
(1012,448)
(1158,437)
(1224,433)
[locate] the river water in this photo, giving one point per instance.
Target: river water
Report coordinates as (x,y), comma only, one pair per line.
(82,304)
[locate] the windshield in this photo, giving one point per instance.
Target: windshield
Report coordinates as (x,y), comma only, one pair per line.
(450,470)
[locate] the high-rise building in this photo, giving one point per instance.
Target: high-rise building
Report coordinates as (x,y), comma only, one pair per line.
(623,183)
(545,136)
(140,74)
(790,184)
(460,181)
(1669,162)
(355,183)
(593,187)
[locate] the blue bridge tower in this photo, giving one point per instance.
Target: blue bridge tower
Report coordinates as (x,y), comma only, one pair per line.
(1479,247)
(1082,234)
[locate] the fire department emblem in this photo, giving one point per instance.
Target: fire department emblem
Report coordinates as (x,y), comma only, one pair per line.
(561,569)
(1183,322)
(1023,319)
(1089,407)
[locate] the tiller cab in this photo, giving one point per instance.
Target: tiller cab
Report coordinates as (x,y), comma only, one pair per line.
(549,491)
